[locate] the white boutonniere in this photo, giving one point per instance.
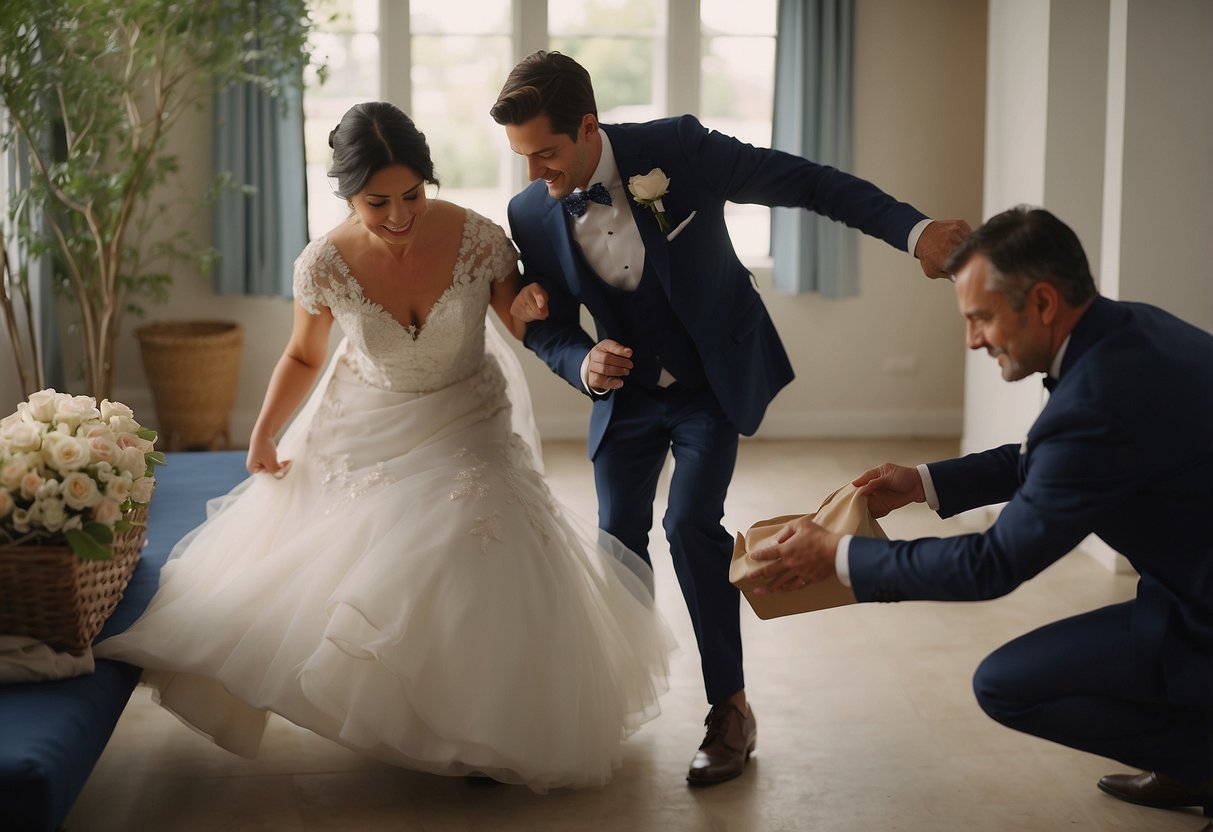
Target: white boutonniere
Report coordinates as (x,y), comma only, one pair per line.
(648,190)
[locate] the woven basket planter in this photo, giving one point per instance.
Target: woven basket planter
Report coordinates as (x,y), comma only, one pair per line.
(192,368)
(48,593)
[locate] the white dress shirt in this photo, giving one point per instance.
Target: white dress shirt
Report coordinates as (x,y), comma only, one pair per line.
(610,242)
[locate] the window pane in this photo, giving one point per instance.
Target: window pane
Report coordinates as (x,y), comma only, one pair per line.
(346,15)
(753,17)
(352,61)
(465,17)
(456,79)
(602,17)
(617,42)
(737,90)
(622,73)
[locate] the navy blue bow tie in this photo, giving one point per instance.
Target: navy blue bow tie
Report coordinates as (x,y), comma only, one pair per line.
(574,203)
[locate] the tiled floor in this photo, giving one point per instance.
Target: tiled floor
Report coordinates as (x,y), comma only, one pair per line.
(866,718)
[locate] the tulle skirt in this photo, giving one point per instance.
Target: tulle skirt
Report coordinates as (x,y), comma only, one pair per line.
(412,590)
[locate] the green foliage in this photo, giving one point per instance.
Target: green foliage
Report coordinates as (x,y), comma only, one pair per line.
(91,89)
(93,542)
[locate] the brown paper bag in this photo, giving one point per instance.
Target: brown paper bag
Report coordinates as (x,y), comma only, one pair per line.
(844,511)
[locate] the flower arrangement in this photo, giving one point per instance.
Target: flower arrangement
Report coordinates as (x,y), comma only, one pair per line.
(648,190)
(70,470)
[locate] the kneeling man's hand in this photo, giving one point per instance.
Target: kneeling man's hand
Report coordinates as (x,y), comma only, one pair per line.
(890,487)
(803,553)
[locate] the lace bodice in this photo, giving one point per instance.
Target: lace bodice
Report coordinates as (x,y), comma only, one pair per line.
(446,348)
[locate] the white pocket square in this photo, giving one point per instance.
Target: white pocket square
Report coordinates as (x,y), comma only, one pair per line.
(681,226)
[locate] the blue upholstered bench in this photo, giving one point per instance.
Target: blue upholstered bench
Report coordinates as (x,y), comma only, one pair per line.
(52,733)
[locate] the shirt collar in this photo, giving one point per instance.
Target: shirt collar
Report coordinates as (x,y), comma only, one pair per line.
(607,171)
(1055,366)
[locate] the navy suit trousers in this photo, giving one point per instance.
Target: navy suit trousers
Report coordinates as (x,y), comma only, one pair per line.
(646,424)
(1081,683)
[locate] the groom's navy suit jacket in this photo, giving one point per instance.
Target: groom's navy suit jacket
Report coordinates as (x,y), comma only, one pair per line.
(1122,449)
(708,288)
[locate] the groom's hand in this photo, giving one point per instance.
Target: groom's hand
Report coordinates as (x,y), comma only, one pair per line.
(936,244)
(530,304)
(609,362)
(890,487)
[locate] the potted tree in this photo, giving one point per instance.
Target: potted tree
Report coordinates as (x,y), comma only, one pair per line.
(90,90)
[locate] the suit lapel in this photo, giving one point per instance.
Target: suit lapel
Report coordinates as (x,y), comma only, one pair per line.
(557,229)
(632,163)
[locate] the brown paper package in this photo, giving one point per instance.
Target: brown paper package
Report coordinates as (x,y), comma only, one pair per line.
(845,511)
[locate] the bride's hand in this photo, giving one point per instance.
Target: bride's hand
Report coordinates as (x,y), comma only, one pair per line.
(263,457)
(530,304)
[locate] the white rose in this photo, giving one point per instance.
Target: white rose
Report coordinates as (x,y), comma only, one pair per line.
(111,409)
(131,462)
(49,488)
(7,503)
(42,404)
(79,491)
(651,186)
(72,410)
(119,488)
(54,515)
(104,471)
(129,440)
(65,453)
(101,447)
(10,419)
(107,512)
(74,523)
(22,436)
(123,424)
(12,472)
(30,483)
(141,489)
(21,520)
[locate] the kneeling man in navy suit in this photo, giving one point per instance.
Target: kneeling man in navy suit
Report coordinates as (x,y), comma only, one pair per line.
(1123,449)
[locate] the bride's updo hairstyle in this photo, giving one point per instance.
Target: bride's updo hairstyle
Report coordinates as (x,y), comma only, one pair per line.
(371,136)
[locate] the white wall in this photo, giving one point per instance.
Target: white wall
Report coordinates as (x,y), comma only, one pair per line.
(1163,236)
(1102,111)
(888,363)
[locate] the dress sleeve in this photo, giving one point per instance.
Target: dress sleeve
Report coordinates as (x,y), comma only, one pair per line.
(496,258)
(305,281)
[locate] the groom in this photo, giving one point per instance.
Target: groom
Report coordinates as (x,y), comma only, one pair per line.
(686,356)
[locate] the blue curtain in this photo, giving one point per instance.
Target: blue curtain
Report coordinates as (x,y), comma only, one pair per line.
(813,87)
(35,271)
(261,209)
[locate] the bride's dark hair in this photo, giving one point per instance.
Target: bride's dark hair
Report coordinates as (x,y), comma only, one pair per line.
(371,136)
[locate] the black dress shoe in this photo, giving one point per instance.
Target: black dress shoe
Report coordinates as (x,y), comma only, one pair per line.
(729,742)
(1159,791)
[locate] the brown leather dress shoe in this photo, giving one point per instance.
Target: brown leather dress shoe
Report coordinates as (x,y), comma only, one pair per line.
(1153,789)
(729,742)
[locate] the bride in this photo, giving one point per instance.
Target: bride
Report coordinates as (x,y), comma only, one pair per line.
(396,575)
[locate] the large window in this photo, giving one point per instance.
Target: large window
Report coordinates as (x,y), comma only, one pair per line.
(444,61)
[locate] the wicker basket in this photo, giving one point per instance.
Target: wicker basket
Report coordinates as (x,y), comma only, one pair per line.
(192,368)
(48,593)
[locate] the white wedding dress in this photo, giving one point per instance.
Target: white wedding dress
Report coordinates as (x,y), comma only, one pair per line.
(410,589)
